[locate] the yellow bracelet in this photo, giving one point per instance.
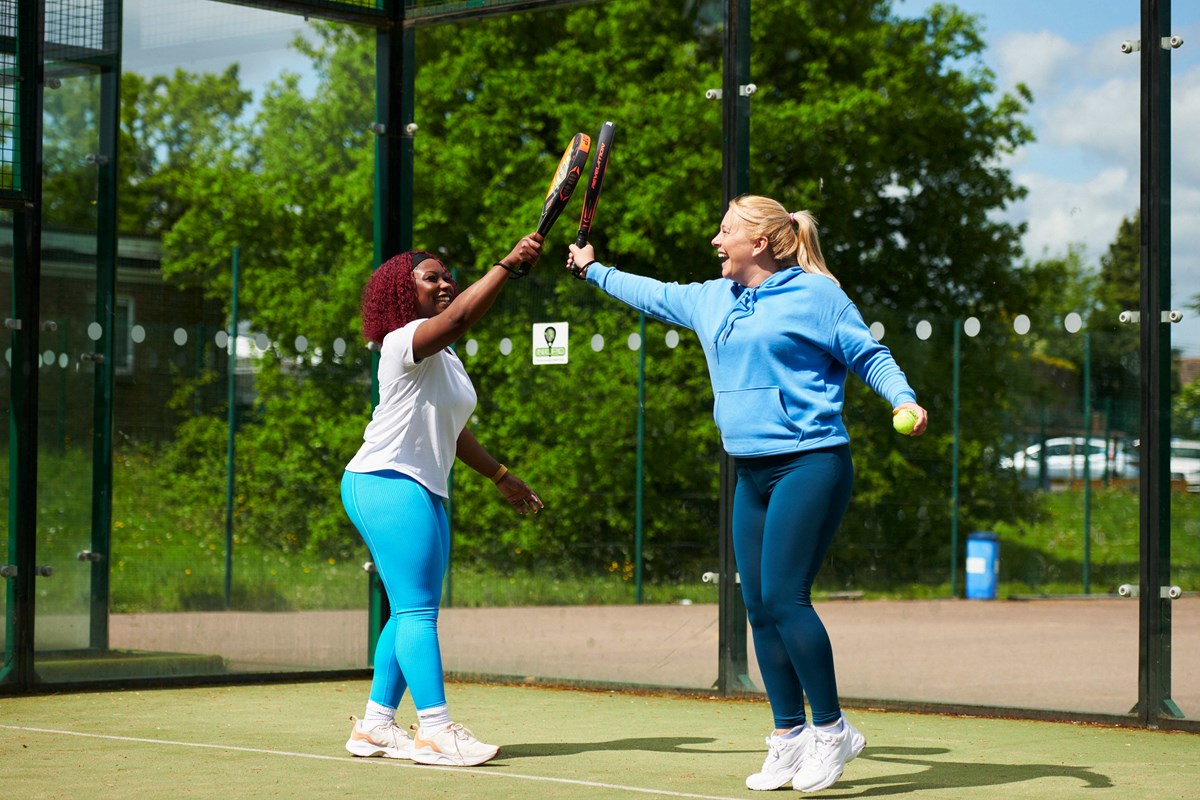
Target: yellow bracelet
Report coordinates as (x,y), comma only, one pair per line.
(500,473)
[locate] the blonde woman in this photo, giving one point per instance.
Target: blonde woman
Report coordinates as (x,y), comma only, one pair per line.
(780,336)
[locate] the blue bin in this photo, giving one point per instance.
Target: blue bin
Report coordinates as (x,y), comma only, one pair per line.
(983,565)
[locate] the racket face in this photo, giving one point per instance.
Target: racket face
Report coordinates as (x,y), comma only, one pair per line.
(591,197)
(570,167)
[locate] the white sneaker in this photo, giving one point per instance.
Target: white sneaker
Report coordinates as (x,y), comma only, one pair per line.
(452,745)
(388,740)
(784,757)
(827,755)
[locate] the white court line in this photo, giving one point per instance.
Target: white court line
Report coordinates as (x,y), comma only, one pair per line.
(492,772)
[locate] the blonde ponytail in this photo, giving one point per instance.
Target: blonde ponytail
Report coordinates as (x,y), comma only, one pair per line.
(792,236)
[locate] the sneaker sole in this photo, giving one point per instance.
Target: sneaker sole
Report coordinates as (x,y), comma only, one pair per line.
(771,786)
(368,750)
(830,781)
(434,758)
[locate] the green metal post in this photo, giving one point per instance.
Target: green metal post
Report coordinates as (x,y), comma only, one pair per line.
(395,72)
(641,456)
(954,457)
(106,316)
(229,449)
(25,325)
(1108,434)
(733,674)
(1154,663)
(1043,479)
(1087,461)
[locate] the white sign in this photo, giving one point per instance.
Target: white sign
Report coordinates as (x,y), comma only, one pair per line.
(550,343)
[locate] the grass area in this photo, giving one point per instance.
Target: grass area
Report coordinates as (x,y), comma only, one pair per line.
(1047,556)
(211,742)
(168,551)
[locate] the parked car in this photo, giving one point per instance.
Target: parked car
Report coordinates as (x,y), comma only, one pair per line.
(1184,462)
(1064,459)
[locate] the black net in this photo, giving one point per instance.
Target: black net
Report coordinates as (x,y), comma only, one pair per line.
(11,178)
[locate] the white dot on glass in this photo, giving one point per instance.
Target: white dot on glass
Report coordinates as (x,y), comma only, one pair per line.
(261,341)
(301,343)
(924,330)
(63,360)
(971,327)
(1021,324)
(180,337)
(505,346)
(94,331)
(138,334)
(339,346)
(1073,322)
(597,343)
(48,357)
(472,347)
(221,340)
(877,331)
(8,356)
(635,341)
(672,338)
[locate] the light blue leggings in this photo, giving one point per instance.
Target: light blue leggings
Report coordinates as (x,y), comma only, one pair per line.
(786,510)
(406,530)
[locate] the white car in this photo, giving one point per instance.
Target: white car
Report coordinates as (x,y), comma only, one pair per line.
(1184,462)
(1064,459)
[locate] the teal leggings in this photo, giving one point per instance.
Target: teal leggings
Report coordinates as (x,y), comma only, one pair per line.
(406,530)
(786,510)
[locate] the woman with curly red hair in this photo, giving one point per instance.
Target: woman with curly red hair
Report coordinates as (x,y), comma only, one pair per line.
(393,489)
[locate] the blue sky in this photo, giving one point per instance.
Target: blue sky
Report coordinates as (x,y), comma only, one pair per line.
(1082,172)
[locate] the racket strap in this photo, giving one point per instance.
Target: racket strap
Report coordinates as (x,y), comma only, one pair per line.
(519,271)
(580,272)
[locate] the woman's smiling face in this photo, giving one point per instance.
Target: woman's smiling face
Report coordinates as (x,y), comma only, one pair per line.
(735,247)
(435,288)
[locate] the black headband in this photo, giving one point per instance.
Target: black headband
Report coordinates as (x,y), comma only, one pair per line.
(418,258)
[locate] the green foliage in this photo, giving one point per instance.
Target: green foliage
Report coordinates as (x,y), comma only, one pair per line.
(70,183)
(1046,553)
(888,129)
(168,552)
(173,130)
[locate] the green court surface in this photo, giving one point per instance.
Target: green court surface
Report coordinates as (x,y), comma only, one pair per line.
(286,741)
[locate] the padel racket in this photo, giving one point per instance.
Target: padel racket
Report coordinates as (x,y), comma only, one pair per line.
(570,167)
(591,196)
(562,186)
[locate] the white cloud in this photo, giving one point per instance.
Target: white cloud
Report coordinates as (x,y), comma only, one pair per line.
(1061,213)
(1101,119)
(1035,59)
(1185,121)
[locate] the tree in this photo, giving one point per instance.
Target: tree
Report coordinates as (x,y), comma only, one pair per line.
(882,126)
(887,128)
(170,127)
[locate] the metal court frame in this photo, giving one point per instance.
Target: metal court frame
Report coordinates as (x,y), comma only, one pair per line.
(396,22)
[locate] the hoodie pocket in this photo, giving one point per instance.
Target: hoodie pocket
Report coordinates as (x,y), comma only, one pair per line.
(754,421)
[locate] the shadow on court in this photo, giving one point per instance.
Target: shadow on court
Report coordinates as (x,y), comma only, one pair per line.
(661,744)
(938,774)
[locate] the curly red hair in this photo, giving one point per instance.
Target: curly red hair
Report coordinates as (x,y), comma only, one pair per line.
(390,298)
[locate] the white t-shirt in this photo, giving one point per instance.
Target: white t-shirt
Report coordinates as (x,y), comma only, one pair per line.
(423,407)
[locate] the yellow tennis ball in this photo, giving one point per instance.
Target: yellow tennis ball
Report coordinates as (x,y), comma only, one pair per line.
(904,421)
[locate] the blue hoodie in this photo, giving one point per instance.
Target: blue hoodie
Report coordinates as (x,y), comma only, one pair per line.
(777,353)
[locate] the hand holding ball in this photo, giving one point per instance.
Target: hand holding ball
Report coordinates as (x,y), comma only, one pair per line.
(904,421)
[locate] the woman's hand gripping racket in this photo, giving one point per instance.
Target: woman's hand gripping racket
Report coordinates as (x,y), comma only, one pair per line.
(570,167)
(591,197)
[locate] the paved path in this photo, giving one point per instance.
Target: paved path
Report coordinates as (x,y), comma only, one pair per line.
(1075,655)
